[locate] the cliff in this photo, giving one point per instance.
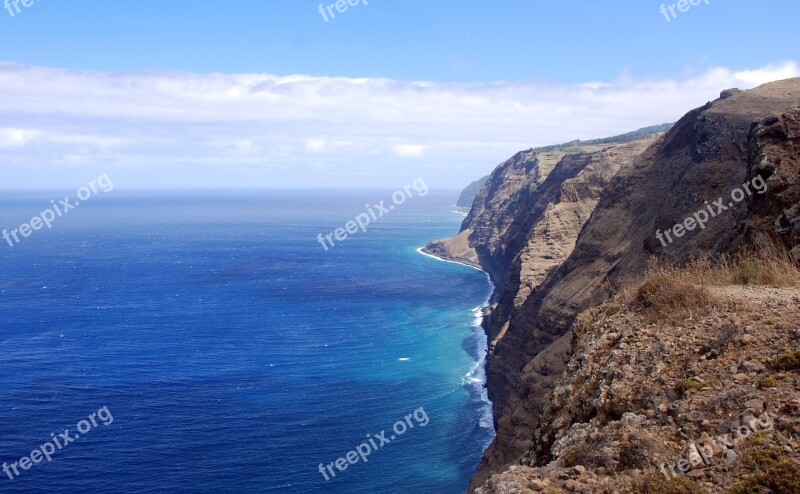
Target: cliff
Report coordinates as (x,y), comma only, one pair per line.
(563,230)
(523,224)
(467,196)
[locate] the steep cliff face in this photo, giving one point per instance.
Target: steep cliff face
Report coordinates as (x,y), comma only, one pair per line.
(614,200)
(552,190)
(524,223)
(535,238)
(467,196)
(709,154)
(491,221)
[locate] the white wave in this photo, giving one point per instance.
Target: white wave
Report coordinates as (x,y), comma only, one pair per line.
(453,262)
(476,377)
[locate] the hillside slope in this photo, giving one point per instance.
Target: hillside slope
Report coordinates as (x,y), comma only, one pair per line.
(641,394)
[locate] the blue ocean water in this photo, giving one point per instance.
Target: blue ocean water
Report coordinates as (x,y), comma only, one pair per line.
(233,353)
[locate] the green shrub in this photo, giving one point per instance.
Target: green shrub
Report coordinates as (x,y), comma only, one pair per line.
(773,472)
(749,272)
(789,361)
(589,455)
(656,483)
(633,453)
(767,382)
(688,387)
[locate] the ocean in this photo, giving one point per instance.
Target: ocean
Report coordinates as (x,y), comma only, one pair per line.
(228,352)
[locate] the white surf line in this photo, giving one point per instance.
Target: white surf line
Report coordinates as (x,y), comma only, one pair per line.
(476,268)
(421,251)
(477,375)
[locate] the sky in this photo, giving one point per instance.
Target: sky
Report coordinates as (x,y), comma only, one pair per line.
(275,93)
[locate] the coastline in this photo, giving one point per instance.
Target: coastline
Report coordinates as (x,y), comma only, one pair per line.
(477,375)
(425,252)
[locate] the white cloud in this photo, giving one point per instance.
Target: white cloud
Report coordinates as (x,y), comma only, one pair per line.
(12,138)
(244,146)
(364,131)
(752,78)
(409,151)
(315,145)
(16,137)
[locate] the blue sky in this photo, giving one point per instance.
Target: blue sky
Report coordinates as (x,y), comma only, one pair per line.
(257,93)
(569,41)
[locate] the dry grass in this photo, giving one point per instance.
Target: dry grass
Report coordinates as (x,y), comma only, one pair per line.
(633,453)
(587,457)
(768,265)
(670,294)
(584,321)
(728,400)
(591,454)
(754,271)
(656,483)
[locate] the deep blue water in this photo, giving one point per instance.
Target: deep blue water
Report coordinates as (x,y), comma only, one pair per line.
(233,353)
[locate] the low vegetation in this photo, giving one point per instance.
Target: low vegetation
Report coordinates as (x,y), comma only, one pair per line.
(688,387)
(767,383)
(590,454)
(770,265)
(657,483)
(789,361)
(633,453)
(619,139)
(669,294)
(771,471)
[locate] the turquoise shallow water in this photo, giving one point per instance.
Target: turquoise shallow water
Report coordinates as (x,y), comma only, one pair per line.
(234,353)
